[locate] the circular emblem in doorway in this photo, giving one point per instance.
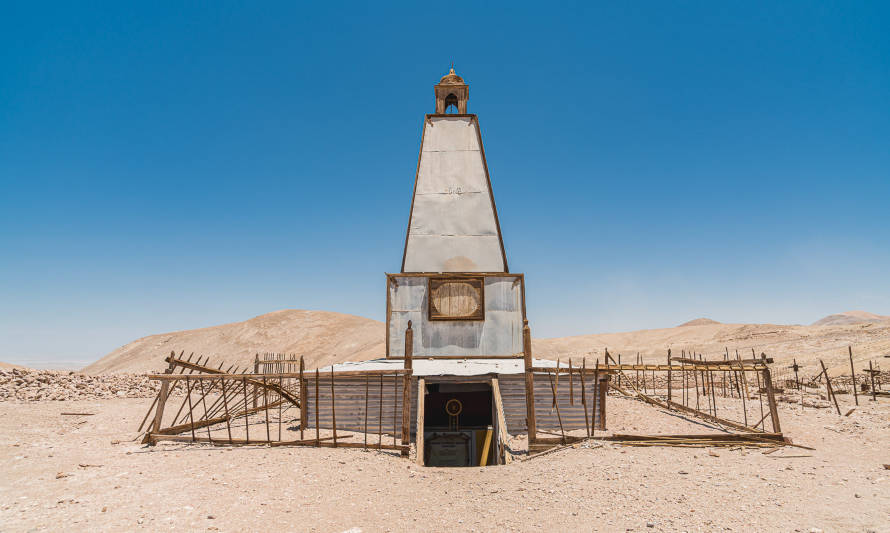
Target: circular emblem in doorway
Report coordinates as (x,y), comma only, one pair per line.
(453,407)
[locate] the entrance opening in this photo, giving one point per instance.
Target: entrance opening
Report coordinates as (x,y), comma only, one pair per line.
(458,425)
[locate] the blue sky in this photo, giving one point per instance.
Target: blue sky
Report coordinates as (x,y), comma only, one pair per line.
(178,165)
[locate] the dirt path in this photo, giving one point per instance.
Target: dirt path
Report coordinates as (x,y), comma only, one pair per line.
(67,471)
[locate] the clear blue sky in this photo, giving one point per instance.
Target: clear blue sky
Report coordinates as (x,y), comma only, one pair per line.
(178,165)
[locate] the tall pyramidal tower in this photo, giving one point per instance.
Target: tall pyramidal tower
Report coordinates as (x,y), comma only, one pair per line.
(453,224)
(454,287)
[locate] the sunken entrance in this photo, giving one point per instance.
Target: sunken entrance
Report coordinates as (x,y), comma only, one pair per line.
(459,424)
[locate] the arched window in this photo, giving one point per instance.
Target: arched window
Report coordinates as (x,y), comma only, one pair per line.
(451,100)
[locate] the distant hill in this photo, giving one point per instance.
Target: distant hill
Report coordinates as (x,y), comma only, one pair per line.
(851,317)
(7,366)
(322,337)
(699,322)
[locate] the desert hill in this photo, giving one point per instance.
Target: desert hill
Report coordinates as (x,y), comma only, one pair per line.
(322,337)
(325,337)
(9,366)
(698,322)
(851,317)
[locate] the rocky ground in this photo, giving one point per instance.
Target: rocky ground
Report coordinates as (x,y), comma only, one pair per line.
(37,385)
(89,474)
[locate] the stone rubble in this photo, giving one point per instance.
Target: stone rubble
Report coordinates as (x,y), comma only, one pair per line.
(41,385)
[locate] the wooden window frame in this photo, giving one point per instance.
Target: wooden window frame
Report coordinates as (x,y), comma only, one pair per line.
(477,282)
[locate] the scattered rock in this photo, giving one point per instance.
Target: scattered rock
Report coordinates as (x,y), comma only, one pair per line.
(29,385)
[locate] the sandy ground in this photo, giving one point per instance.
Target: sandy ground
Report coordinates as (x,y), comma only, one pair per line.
(84,473)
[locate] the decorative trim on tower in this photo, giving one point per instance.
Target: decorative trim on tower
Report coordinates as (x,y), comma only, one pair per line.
(452,91)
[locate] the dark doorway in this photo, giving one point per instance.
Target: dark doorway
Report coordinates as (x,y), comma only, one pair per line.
(458,424)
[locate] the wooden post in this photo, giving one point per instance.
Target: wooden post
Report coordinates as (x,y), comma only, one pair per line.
(745,378)
(226,407)
(421,389)
(571,384)
(367,393)
(529,383)
(204,403)
(256,370)
(828,387)
(333,406)
(669,377)
(159,414)
(266,404)
(599,401)
(871,374)
(619,364)
(406,388)
(169,370)
(246,416)
(853,375)
(760,397)
(584,396)
(556,403)
(557,380)
(188,386)
(316,409)
(304,407)
(771,399)
(380,418)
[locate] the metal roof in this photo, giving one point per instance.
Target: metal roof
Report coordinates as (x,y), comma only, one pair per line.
(431,366)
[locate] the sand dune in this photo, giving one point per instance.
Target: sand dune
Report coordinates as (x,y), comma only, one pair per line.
(325,337)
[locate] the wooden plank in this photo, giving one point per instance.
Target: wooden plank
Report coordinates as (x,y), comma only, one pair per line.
(333,407)
(556,403)
(828,387)
(367,391)
(406,411)
(304,423)
(771,399)
(662,368)
(584,396)
(286,375)
(529,382)
(853,375)
(421,390)
(503,436)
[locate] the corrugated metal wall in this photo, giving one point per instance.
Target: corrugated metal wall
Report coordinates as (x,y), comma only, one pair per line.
(349,393)
(499,334)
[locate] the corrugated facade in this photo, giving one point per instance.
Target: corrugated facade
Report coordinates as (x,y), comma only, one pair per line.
(349,395)
(500,333)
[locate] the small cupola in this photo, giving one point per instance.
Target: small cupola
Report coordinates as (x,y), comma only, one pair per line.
(452,94)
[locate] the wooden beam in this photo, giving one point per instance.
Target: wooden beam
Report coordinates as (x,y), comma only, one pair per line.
(529,382)
(503,436)
(421,390)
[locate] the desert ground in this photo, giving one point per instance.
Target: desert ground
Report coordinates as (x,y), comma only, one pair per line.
(88,473)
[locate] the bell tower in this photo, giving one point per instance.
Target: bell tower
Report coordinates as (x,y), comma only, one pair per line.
(452,91)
